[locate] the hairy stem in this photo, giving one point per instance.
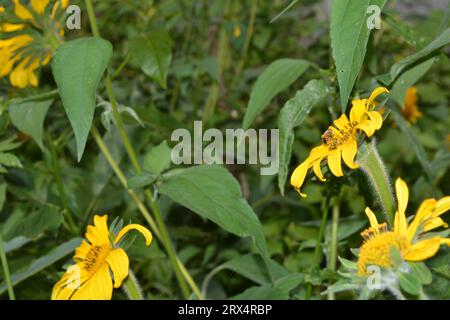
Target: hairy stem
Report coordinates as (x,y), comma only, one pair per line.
(333,244)
(370,162)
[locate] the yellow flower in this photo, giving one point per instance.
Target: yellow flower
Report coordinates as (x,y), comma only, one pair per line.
(411,240)
(98,262)
(237,31)
(410,110)
(29,44)
(340,140)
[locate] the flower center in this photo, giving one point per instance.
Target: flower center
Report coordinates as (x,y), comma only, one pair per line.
(376,249)
(333,138)
(96,258)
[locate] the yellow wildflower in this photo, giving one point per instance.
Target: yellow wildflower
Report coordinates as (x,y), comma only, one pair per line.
(340,140)
(411,240)
(410,109)
(90,278)
(29,44)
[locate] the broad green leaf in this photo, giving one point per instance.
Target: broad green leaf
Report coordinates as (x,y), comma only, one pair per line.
(29,116)
(158,158)
(408,79)
(409,283)
(153,53)
(15,243)
(274,79)
(212,192)
(292,115)
(78,66)
(349,34)
(43,262)
(442,40)
(141,181)
(421,272)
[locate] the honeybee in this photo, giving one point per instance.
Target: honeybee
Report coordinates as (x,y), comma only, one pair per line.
(327,136)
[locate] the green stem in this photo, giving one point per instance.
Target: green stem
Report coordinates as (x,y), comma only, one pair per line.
(371,163)
(60,185)
(132,288)
(333,244)
(142,209)
(317,255)
(132,155)
(248,37)
(6,274)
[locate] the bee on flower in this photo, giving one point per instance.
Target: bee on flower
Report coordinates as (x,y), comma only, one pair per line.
(99,262)
(29,35)
(339,141)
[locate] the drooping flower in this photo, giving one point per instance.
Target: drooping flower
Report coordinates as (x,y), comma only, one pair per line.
(411,240)
(29,41)
(98,262)
(410,109)
(340,140)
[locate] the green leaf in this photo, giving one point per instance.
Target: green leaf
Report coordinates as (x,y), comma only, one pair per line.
(78,66)
(33,224)
(158,159)
(421,272)
(141,181)
(292,115)
(9,160)
(43,262)
(274,79)
(409,283)
(212,192)
(28,117)
(442,40)
(153,53)
(408,79)
(349,36)
(278,291)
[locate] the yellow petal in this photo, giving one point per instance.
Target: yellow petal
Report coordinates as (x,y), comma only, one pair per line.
(425,210)
(39,5)
(298,176)
(424,249)
(21,11)
(98,287)
(376,118)
(367,126)
(72,280)
(334,162)
(349,152)
(318,171)
(144,231)
(2,9)
(375,94)
(118,263)
(82,251)
(358,110)
(433,224)
(342,122)
(98,234)
(442,206)
(372,218)
(402,193)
